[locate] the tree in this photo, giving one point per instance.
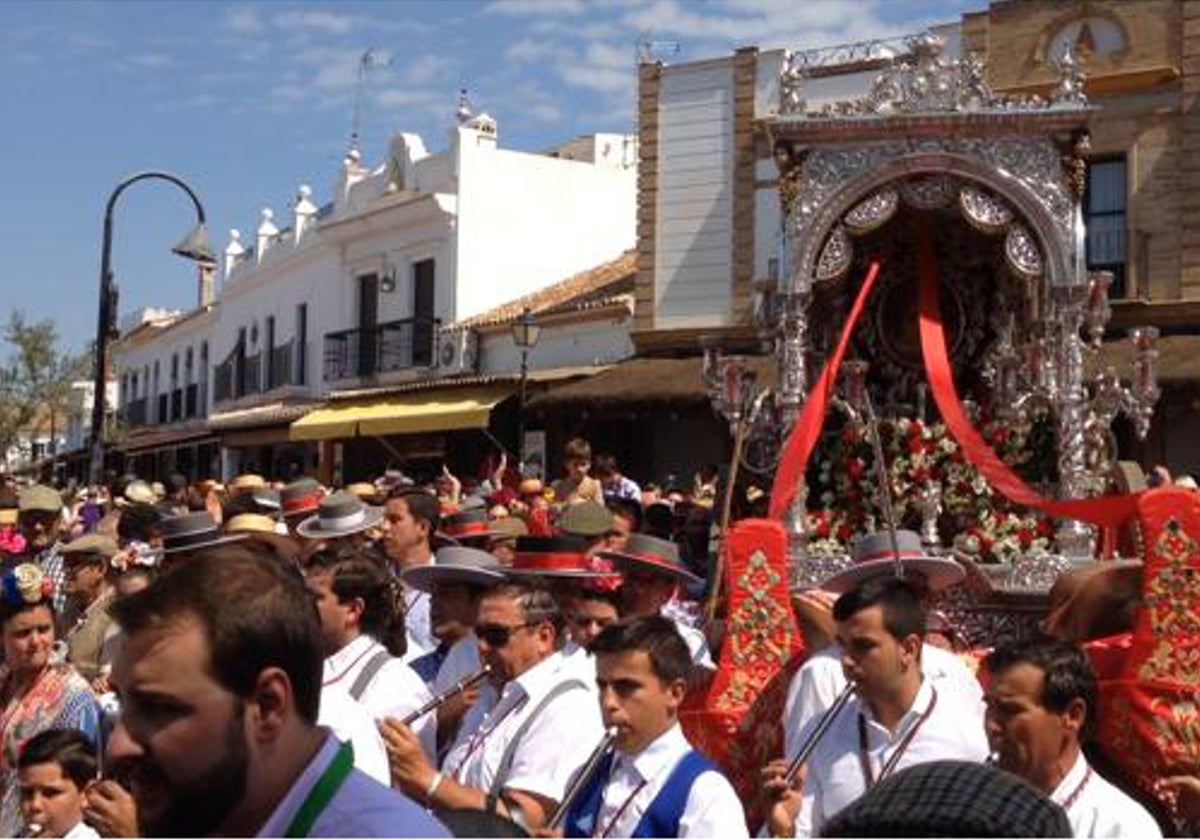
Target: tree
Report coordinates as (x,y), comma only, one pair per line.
(36,377)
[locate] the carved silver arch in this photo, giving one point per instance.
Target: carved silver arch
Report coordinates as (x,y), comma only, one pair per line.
(1025,172)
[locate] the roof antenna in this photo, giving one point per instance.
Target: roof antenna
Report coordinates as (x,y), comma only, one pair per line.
(369,58)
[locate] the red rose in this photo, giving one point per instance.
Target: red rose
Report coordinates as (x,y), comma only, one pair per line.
(1044,528)
(843,532)
(1025,536)
(822,529)
(855,468)
(915,445)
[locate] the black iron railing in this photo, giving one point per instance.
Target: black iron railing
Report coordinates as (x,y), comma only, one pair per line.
(396,345)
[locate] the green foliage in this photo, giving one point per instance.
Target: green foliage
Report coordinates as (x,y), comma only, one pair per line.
(36,377)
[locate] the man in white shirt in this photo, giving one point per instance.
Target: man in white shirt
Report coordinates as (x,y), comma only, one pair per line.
(363,628)
(410,519)
(532,727)
(895,720)
(653,784)
(653,572)
(1040,700)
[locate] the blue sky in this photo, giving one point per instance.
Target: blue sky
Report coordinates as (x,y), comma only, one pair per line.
(246,101)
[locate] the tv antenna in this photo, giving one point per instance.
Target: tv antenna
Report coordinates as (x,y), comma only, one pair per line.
(369,59)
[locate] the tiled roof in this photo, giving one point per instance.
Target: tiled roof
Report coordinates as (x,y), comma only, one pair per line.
(271,414)
(543,375)
(597,286)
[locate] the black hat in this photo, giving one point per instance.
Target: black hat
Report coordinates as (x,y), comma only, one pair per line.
(193,531)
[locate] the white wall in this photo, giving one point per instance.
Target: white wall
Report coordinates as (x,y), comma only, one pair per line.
(596,341)
(526,221)
(140,354)
(694,235)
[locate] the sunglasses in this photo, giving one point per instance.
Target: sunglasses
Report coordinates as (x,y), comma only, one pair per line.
(499,635)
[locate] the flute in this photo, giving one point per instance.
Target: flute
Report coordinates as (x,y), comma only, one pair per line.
(459,687)
(814,738)
(582,778)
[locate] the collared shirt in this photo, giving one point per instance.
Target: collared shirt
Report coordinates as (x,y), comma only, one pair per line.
(350,721)
(461,662)
(712,810)
(393,692)
(697,644)
(86,648)
(52,567)
(820,680)
(416,621)
(553,747)
(361,807)
(623,487)
(82,831)
(1096,808)
(835,776)
(580,663)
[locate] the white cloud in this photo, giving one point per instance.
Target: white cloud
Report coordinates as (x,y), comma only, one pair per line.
(518,8)
(408,97)
(545,112)
(318,21)
(245,20)
(528,50)
(426,68)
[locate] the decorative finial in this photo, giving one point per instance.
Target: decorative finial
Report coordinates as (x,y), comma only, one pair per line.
(464,107)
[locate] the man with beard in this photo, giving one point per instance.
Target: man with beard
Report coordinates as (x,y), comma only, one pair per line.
(219,676)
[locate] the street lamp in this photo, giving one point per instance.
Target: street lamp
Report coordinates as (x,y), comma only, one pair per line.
(194,247)
(525,332)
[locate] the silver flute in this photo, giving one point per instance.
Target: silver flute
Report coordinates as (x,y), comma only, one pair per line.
(582,778)
(814,737)
(465,684)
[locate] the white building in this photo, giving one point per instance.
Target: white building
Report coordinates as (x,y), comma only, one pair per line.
(362,293)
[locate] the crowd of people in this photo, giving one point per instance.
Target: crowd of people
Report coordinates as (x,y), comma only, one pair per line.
(395,658)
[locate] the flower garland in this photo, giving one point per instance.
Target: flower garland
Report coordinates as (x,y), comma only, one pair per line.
(974,519)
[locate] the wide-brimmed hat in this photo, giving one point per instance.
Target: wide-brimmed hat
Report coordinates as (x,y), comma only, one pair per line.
(248,481)
(554,557)
(586,519)
(193,531)
(340,515)
(250,523)
(873,555)
(651,554)
(90,544)
(366,491)
(40,498)
(468,525)
(508,528)
(136,493)
(301,497)
(456,564)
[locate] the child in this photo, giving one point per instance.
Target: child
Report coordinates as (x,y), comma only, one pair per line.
(654,784)
(54,769)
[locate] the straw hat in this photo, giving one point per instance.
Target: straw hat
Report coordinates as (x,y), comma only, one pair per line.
(248,481)
(250,523)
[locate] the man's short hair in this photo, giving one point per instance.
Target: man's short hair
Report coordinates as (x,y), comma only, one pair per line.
(255,614)
(654,635)
(577,449)
(606,465)
(70,749)
(903,614)
(1068,673)
(422,506)
(537,602)
(139,522)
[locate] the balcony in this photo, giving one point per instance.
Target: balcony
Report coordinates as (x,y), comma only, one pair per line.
(396,345)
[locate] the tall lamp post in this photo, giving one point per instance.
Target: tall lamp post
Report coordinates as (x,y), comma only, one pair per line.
(194,247)
(525,332)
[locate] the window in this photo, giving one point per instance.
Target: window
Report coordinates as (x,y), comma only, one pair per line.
(189,366)
(1104,211)
(271,372)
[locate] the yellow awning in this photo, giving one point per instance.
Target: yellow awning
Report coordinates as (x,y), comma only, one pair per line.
(402,414)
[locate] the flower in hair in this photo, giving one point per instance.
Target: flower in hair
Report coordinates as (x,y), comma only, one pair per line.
(26,584)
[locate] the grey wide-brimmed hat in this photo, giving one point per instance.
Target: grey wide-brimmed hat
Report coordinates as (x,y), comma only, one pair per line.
(456,564)
(873,555)
(650,554)
(193,531)
(340,515)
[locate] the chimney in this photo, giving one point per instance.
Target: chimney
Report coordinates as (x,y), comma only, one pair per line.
(266,233)
(208,284)
(234,253)
(305,211)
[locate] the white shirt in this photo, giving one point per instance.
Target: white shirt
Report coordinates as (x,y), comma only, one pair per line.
(555,745)
(359,808)
(580,663)
(835,773)
(1100,809)
(696,642)
(393,692)
(462,660)
(350,721)
(416,623)
(712,810)
(82,831)
(819,681)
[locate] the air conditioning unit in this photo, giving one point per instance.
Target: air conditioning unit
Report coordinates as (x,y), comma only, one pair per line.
(457,351)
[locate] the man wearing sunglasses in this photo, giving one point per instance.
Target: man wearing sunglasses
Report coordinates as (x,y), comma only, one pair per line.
(534,725)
